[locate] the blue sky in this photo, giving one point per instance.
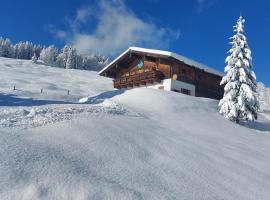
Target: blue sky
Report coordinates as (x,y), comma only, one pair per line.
(199,29)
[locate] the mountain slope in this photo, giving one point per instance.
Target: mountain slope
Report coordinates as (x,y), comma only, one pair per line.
(30,78)
(134,144)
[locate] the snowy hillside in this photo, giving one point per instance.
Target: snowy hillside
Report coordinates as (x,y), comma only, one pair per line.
(134,144)
(30,78)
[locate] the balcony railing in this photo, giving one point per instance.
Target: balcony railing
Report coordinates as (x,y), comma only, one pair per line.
(138,79)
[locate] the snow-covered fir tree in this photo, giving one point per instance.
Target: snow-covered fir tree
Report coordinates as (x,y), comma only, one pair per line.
(37,50)
(239,101)
(24,50)
(60,61)
(34,58)
(79,61)
(6,48)
(264,97)
(71,62)
(62,57)
(48,55)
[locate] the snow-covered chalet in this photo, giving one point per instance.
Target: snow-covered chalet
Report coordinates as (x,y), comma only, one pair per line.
(164,70)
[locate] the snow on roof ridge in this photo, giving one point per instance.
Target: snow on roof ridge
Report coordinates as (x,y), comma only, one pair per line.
(184,59)
(155,51)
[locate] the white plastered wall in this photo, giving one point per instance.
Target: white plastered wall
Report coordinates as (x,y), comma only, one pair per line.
(170,84)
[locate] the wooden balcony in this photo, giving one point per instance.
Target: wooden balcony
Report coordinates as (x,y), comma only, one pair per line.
(139,79)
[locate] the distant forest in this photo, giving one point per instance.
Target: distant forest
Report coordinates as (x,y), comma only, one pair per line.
(67,58)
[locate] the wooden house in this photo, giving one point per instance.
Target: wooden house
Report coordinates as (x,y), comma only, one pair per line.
(137,67)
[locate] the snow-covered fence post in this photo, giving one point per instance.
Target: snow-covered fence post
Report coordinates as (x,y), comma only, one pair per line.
(239,101)
(68,92)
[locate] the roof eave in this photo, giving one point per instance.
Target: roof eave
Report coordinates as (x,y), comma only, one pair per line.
(114,61)
(181,58)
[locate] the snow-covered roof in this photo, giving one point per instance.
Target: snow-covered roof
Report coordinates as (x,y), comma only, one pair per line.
(181,58)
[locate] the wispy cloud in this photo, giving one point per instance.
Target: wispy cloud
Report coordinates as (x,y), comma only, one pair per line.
(57,33)
(204,4)
(83,15)
(117,28)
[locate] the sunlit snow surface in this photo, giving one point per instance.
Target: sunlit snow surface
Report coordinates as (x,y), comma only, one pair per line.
(117,144)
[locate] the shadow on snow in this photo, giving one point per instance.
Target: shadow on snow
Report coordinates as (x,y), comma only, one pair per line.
(263,125)
(13,100)
(103,96)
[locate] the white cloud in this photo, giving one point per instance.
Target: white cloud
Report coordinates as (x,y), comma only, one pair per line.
(60,34)
(204,4)
(116,29)
(83,14)
(82,17)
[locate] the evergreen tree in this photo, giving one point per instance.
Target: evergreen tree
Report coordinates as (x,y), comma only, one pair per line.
(24,50)
(263,96)
(37,50)
(60,61)
(16,51)
(62,58)
(79,61)
(6,48)
(239,101)
(48,55)
(28,50)
(71,62)
(34,58)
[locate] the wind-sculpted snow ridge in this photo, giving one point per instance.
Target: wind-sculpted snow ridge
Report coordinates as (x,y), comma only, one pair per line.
(29,117)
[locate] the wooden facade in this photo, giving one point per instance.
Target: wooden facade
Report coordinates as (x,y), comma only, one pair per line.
(141,68)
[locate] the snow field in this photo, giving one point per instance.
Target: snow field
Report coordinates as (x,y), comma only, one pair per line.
(30,78)
(122,144)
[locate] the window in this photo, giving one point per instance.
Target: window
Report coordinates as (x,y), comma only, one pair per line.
(185,91)
(140,63)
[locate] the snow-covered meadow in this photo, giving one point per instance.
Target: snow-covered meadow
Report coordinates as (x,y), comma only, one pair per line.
(117,144)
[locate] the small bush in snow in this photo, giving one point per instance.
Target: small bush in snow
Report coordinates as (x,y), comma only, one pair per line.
(34,58)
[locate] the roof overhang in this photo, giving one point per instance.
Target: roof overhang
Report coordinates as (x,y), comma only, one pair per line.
(162,53)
